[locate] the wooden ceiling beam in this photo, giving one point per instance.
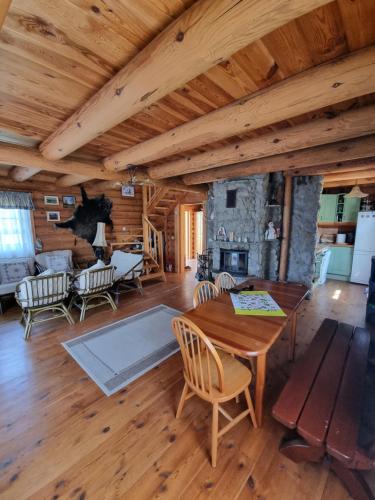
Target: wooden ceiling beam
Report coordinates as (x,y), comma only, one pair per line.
(329,83)
(348,183)
(346,125)
(21,174)
(175,185)
(4,7)
(338,167)
(31,158)
(351,149)
(203,36)
(345,176)
(73,180)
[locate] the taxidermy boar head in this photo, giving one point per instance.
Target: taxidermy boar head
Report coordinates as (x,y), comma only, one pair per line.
(86,216)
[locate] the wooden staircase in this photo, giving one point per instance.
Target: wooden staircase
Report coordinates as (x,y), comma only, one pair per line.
(159,202)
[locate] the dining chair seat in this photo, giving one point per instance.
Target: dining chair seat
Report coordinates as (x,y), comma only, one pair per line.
(237,377)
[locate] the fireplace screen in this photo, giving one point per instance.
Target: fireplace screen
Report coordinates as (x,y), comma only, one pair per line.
(234,261)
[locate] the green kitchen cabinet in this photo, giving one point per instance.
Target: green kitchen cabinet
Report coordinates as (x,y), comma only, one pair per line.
(351,209)
(340,263)
(328,207)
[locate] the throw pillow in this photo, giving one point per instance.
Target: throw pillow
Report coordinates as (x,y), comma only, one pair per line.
(11,272)
(58,263)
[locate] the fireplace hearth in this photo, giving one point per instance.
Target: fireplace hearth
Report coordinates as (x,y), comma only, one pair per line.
(234,261)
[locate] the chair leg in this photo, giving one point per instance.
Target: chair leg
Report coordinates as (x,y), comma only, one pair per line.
(251,407)
(83,309)
(71,303)
(215,431)
(28,325)
(139,286)
(110,300)
(182,400)
(68,316)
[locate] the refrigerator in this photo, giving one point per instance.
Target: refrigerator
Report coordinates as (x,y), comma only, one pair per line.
(364,248)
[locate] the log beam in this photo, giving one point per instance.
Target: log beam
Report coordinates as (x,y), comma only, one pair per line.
(73,180)
(338,80)
(346,125)
(204,35)
(21,174)
(175,185)
(352,149)
(338,167)
(349,183)
(287,211)
(344,176)
(4,7)
(31,158)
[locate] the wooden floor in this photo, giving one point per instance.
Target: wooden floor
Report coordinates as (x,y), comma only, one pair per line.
(60,437)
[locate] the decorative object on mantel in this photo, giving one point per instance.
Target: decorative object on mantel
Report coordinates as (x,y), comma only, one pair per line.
(356,193)
(271,232)
(51,200)
(221,234)
(53,216)
(231,236)
(99,242)
(85,217)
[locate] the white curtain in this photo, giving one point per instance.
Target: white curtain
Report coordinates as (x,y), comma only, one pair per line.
(16,235)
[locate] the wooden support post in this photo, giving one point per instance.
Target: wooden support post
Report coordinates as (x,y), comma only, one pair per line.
(283,267)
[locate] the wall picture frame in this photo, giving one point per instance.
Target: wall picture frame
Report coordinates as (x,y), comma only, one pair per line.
(53,216)
(51,199)
(69,201)
(128,191)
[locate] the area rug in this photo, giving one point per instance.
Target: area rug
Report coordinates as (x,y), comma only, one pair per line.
(116,354)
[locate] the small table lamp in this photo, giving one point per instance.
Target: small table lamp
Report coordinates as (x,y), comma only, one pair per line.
(100,242)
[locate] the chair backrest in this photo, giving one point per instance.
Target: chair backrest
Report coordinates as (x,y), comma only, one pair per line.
(94,280)
(205,290)
(224,281)
(58,260)
(39,291)
(125,262)
(203,369)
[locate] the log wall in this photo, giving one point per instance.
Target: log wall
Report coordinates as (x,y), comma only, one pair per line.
(126,212)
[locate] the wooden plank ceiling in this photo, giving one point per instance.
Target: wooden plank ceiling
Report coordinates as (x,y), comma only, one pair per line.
(56,55)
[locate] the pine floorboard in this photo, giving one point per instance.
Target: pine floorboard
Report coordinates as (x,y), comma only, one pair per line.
(60,437)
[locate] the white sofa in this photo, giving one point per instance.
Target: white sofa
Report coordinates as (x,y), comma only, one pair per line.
(12,271)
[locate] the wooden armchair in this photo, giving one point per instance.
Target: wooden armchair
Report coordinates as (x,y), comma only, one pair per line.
(38,294)
(91,289)
(213,375)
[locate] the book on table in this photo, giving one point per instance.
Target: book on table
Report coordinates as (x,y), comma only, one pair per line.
(255,303)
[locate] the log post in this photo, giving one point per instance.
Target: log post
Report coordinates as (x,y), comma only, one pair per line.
(283,267)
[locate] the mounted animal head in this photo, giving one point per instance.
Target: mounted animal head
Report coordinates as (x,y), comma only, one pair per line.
(84,221)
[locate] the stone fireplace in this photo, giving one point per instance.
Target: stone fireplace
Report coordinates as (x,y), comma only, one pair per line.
(244,216)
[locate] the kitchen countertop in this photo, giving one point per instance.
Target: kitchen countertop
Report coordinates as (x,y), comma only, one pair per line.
(320,247)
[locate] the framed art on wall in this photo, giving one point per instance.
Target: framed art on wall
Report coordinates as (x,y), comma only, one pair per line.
(51,200)
(53,216)
(128,191)
(69,201)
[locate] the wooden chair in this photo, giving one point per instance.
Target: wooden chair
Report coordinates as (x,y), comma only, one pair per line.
(205,290)
(214,376)
(224,281)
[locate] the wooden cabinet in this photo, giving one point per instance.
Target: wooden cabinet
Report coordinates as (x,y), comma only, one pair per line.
(338,208)
(340,264)
(328,207)
(351,209)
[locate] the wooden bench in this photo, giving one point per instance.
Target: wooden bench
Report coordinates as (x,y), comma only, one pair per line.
(322,404)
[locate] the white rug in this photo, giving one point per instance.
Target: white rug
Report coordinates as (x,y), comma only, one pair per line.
(116,354)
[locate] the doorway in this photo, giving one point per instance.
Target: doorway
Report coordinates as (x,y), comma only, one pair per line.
(191,236)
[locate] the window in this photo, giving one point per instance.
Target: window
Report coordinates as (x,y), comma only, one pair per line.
(231,198)
(16,234)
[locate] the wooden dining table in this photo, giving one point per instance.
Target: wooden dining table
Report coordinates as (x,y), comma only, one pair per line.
(251,336)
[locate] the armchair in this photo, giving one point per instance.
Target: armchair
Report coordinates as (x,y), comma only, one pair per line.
(93,283)
(38,294)
(128,270)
